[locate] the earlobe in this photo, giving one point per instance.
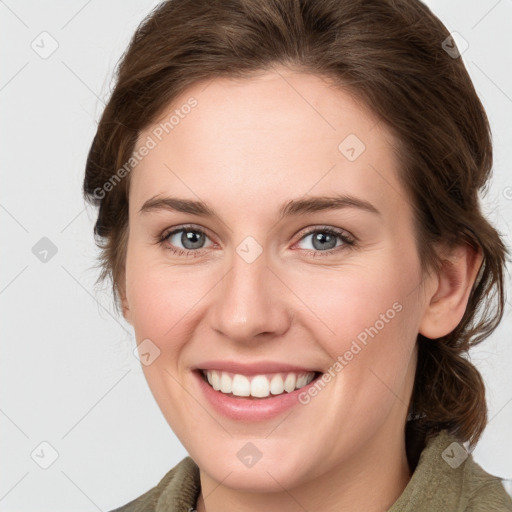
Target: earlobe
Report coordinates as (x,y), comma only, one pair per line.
(447,304)
(126,312)
(124,304)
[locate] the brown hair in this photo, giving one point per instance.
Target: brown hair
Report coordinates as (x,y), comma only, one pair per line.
(390,55)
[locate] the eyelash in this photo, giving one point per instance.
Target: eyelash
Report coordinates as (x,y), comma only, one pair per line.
(348,241)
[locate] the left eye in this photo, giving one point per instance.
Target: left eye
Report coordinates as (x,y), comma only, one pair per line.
(325,240)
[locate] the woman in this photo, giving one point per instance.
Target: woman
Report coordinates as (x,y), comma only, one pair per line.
(288,209)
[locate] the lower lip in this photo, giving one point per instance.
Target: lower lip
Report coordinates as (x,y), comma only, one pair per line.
(250,409)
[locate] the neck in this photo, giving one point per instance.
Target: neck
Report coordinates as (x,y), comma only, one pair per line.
(372,481)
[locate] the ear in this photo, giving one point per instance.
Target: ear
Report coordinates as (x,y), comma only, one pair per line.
(447,303)
(121,290)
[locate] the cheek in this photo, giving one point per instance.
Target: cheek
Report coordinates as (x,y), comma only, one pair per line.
(366,320)
(162,300)
(167,305)
(160,295)
(344,304)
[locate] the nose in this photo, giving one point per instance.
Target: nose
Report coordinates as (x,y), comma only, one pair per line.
(251,303)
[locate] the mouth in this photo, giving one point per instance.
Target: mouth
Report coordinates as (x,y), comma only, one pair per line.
(259,386)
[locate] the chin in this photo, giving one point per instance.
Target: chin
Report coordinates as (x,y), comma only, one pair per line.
(262,477)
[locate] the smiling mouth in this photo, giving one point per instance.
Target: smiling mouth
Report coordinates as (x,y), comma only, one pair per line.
(257,386)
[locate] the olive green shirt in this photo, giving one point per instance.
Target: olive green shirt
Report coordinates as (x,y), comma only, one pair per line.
(446,479)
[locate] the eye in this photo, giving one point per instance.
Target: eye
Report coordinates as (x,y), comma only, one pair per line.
(324,241)
(191,238)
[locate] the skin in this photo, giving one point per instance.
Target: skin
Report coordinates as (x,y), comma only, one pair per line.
(248,147)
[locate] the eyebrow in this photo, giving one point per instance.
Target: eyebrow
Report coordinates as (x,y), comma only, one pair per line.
(291,208)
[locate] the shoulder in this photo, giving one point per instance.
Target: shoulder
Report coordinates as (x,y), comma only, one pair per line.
(447,478)
(179,485)
(483,492)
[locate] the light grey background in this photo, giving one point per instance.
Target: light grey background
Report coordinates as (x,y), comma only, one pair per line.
(68,374)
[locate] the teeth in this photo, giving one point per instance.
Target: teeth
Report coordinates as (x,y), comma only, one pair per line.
(301,381)
(215,381)
(226,383)
(241,386)
(289,383)
(259,386)
(276,385)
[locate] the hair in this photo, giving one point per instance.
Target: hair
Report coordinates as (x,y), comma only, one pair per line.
(389,54)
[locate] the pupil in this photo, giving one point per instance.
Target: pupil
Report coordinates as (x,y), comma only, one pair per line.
(323,238)
(188,237)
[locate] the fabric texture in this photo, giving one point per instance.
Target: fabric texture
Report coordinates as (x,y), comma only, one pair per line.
(446,479)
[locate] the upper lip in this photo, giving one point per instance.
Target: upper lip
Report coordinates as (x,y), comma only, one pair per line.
(254,368)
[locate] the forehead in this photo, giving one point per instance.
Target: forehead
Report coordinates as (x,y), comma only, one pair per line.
(278,135)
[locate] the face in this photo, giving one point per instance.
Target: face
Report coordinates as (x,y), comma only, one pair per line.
(267,286)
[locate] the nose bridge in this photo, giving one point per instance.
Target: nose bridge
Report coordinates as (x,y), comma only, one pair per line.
(250,299)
